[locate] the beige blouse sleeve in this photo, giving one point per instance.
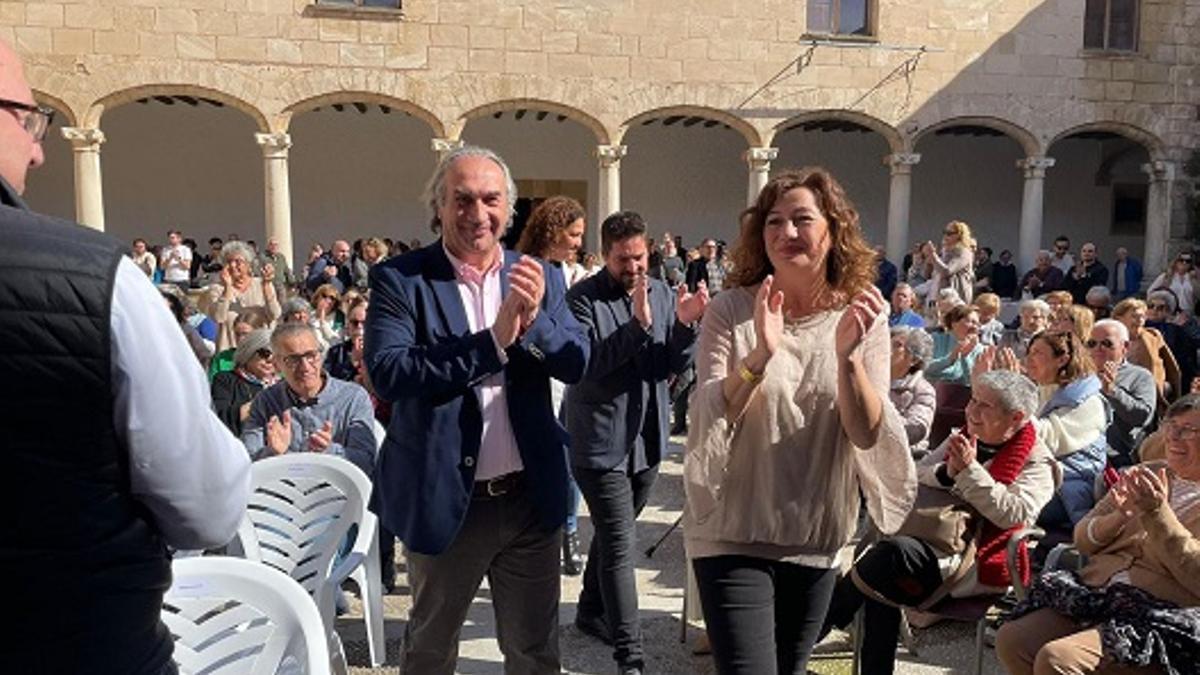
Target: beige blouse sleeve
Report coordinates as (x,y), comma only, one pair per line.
(885,470)
(709,433)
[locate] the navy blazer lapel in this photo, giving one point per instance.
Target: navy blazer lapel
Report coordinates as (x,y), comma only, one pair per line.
(445,288)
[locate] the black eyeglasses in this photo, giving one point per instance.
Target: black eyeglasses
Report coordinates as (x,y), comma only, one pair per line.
(264,354)
(37,119)
(1157,306)
(1106,343)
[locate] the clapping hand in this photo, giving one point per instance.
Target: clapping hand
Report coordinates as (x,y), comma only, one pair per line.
(967,345)
(526,280)
(689,307)
(768,317)
(279,432)
(1108,376)
(960,452)
(639,297)
(858,318)
(321,439)
(1148,489)
(268,273)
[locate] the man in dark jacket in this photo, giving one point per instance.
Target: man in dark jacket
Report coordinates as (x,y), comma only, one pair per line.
(332,268)
(641,334)
(111,450)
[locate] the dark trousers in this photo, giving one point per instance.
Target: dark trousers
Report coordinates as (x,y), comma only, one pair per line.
(501,539)
(901,569)
(614,499)
(763,616)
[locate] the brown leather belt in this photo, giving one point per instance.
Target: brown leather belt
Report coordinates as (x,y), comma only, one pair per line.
(498,486)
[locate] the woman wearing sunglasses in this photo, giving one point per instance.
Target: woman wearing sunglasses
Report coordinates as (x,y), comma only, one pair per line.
(232,391)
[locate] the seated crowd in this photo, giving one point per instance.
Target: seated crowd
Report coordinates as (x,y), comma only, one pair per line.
(1057,398)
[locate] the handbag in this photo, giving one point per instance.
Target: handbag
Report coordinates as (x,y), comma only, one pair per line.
(940,519)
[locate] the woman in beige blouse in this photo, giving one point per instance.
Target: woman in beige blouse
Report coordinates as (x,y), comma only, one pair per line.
(240,293)
(787,424)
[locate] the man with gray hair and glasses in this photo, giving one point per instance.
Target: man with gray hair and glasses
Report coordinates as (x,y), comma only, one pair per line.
(1130,391)
(463,337)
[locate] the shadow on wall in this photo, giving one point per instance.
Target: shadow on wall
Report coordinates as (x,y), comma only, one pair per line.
(1036,91)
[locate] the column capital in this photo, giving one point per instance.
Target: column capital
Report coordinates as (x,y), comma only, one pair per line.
(902,162)
(82,138)
(1035,167)
(1159,171)
(274,146)
(445,146)
(760,156)
(610,155)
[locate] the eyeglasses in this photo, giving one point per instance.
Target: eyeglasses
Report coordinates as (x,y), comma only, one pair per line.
(1181,431)
(37,119)
(311,358)
(1106,343)
(1157,306)
(949,233)
(264,354)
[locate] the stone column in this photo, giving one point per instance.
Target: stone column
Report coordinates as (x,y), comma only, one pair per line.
(610,189)
(1030,239)
(277,192)
(89,191)
(1158,216)
(445,146)
(899,204)
(759,161)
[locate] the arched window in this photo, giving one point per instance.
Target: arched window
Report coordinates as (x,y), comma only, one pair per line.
(841,17)
(1111,25)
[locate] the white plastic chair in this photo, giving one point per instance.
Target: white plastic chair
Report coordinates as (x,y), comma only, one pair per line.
(237,616)
(300,511)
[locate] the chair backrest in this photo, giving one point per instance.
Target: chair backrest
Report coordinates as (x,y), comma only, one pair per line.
(230,615)
(300,510)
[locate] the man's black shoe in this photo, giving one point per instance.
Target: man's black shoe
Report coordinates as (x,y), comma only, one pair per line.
(593,626)
(572,562)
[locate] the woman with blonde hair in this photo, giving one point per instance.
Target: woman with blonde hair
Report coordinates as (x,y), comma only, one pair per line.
(954,267)
(327,315)
(788,423)
(374,251)
(1075,319)
(1148,349)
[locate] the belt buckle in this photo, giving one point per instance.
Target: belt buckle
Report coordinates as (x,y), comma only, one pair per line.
(495,486)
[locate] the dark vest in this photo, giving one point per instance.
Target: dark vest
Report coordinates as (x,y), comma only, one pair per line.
(83,565)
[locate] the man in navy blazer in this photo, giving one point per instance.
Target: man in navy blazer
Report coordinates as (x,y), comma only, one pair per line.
(463,336)
(642,333)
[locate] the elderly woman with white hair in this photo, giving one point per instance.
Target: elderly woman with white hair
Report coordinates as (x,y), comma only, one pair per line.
(998,467)
(914,397)
(240,293)
(1033,317)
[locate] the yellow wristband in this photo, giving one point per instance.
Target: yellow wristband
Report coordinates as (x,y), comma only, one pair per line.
(747,375)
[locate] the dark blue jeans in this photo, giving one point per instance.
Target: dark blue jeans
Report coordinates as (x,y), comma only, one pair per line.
(614,499)
(763,616)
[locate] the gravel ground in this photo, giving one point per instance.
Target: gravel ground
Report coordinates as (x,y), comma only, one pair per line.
(944,648)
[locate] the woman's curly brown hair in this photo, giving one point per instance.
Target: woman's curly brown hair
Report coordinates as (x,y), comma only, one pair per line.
(850,267)
(547,223)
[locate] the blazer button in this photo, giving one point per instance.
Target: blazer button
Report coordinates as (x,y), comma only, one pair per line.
(469,462)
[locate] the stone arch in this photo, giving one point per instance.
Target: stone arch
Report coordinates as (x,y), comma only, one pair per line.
(61,106)
(594,125)
(752,136)
(119,98)
(1026,139)
(888,132)
(330,98)
(1152,143)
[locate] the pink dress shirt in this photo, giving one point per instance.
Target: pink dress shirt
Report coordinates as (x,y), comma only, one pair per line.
(481,298)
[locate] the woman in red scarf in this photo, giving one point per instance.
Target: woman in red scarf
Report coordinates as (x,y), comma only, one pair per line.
(998,467)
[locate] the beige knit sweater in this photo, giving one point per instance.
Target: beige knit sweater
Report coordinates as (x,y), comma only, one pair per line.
(784,482)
